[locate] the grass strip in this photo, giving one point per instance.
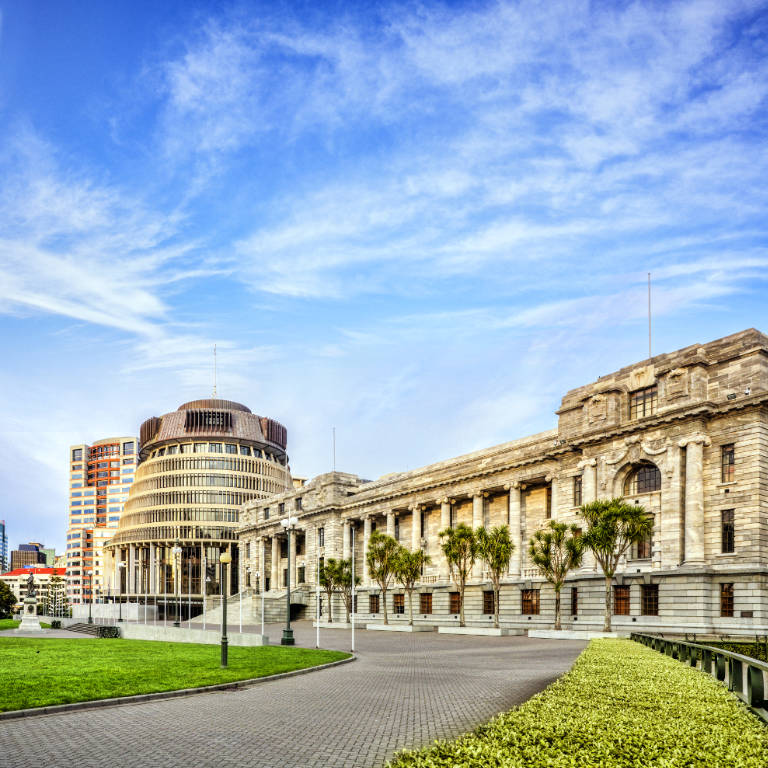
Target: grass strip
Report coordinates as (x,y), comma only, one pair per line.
(40,672)
(622,705)
(12,624)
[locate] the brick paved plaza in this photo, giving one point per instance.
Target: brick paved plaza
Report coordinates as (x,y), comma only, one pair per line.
(404,690)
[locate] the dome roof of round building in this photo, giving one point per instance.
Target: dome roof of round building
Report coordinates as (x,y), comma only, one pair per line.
(224,405)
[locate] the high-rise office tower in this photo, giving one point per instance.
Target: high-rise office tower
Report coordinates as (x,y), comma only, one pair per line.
(3,548)
(99,478)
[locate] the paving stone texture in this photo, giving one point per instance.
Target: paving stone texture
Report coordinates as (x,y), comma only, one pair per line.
(405,690)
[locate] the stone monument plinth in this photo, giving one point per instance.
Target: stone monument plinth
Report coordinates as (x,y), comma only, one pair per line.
(29,620)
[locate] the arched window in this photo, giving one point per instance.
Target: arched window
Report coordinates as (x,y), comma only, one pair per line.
(643,479)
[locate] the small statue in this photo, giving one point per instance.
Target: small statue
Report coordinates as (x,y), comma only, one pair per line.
(31,585)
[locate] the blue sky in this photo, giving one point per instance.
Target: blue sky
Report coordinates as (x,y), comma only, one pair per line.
(420,223)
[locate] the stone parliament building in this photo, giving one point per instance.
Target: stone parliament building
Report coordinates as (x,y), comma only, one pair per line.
(684,434)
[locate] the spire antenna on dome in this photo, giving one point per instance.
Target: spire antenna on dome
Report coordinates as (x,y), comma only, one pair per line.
(214,372)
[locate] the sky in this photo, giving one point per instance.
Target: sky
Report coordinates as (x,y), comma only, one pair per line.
(420,223)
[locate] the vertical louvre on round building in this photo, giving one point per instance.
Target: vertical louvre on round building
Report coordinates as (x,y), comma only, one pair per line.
(198,465)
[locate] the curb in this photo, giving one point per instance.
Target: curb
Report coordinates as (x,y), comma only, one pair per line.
(57,709)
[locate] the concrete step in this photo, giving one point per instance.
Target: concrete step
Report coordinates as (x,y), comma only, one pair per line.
(86,629)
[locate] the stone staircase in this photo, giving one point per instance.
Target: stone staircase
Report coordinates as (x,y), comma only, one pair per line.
(85,629)
(274,607)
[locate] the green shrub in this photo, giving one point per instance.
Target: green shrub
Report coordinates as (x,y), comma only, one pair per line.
(621,706)
(109,632)
(55,624)
(757,651)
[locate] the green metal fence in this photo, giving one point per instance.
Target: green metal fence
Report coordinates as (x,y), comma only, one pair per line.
(744,676)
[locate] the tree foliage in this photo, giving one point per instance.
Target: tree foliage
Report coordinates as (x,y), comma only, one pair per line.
(494,548)
(408,568)
(7,601)
(381,559)
(328,578)
(612,527)
(555,550)
(344,584)
(459,545)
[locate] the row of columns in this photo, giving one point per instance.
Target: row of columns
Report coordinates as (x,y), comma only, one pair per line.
(694,519)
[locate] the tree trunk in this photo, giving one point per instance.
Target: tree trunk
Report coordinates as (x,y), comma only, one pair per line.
(557,609)
(607,621)
(461,606)
(410,607)
(384,600)
(347,601)
(330,612)
(496,592)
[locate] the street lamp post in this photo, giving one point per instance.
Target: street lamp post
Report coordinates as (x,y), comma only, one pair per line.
(225,559)
(121,566)
(90,602)
(289,525)
(176,551)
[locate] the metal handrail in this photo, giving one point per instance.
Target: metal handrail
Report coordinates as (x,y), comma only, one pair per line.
(745,677)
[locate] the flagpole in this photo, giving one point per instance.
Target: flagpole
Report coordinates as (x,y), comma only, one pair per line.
(352,531)
(317,596)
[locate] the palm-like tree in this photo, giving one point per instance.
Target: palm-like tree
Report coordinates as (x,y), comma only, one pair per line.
(329,581)
(381,559)
(344,584)
(612,527)
(408,567)
(555,550)
(460,548)
(494,548)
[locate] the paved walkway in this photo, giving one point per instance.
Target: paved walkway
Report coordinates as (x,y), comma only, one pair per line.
(404,690)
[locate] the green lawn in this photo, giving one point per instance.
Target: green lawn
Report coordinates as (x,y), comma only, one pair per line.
(12,624)
(621,706)
(38,672)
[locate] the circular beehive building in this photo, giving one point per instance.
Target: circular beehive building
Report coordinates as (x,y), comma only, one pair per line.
(197,466)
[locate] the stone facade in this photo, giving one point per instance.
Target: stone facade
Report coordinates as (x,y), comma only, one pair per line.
(685,434)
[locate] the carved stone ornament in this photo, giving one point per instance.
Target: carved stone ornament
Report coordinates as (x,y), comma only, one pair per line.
(695,439)
(676,384)
(597,409)
(587,463)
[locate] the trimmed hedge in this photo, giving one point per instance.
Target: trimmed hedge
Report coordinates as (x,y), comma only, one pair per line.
(621,706)
(757,651)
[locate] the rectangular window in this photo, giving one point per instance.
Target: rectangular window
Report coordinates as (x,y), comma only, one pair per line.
(283,548)
(266,513)
(726,600)
(727,463)
(726,531)
(77,454)
(302,575)
(281,508)
(425,602)
(397,529)
(452,517)
(128,448)
(530,602)
(373,603)
(173,449)
(298,503)
(643,548)
(398,603)
(215,447)
(245,450)
(321,537)
(454,602)
(577,491)
(649,602)
(201,447)
(229,448)
(643,402)
(247,549)
(621,600)
(574,601)
(489,602)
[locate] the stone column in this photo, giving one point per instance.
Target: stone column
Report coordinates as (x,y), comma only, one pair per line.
(588,494)
(445,522)
(553,495)
(116,580)
(366,537)
(416,535)
(153,569)
(391,524)
(292,552)
(274,581)
(477,522)
(694,498)
(589,480)
(345,540)
(129,576)
(262,566)
(516,561)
